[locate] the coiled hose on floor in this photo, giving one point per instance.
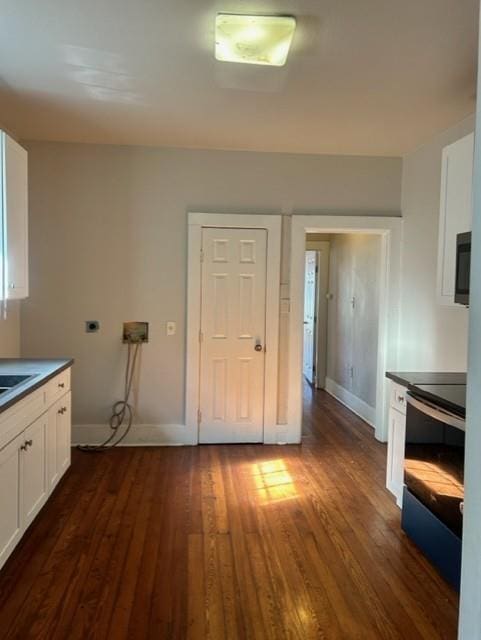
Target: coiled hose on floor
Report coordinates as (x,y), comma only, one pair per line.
(122,410)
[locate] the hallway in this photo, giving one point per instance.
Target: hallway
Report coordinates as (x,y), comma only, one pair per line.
(231,541)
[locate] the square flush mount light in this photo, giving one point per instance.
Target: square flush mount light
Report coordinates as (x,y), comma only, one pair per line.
(253,39)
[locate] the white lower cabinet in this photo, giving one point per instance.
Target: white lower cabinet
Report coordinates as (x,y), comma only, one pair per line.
(10,498)
(395,443)
(58,440)
(32,463)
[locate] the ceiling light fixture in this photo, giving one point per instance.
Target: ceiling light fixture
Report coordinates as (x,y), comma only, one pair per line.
(253,39)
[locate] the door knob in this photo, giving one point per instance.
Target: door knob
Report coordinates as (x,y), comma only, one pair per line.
(258,347)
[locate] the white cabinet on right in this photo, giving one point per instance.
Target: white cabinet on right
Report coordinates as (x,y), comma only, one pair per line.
(455,214)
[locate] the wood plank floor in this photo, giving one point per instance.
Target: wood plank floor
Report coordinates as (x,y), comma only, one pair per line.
(217,542)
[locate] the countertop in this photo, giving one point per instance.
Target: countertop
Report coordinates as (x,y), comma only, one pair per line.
(40,370)
(407,379)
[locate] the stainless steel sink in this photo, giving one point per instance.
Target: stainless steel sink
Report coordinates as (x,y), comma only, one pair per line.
(7,382)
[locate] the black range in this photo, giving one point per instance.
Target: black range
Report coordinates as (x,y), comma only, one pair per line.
(433,495)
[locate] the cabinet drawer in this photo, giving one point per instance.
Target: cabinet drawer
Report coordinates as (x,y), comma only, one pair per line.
(398,397)
(58,386)
(14,420)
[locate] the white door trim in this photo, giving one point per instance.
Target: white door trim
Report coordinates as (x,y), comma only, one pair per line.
(272,224)
(390,230)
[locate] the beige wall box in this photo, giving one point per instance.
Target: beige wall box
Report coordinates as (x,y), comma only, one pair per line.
(136,332)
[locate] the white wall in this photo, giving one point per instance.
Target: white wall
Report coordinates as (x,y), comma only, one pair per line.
(108,242)
(470,606)
(354,273)
(432,337)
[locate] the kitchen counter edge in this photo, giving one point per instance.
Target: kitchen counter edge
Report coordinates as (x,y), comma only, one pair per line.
(42,371)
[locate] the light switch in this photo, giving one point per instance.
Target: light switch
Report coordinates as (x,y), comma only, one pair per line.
(171,328)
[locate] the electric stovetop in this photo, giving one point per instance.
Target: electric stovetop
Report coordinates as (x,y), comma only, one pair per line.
(451,397)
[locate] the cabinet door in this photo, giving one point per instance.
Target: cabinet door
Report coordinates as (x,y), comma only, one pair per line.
(10,498)
(455,213)
(15,211)
(58,440)
(34,469)
(395,453)
(64,437)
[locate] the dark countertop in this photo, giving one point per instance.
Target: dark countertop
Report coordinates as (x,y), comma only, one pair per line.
(40,370)
(407,379)
(451,397)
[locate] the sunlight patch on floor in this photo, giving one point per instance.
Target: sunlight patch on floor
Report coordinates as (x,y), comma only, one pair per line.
(273,482)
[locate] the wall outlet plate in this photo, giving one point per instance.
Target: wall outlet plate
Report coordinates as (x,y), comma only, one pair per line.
(135,332)
(92,326)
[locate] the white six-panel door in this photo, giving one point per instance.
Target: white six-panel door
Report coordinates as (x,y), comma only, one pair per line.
(233,312)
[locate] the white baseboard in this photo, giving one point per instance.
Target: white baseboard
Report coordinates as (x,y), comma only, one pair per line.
(159,435)
(352,402)
(140,435)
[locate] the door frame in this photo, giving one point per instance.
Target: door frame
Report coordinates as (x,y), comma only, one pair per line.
(273,225)
(390,232)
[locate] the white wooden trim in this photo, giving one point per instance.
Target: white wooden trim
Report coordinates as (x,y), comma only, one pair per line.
(352,402)
(390,230)
(272,224)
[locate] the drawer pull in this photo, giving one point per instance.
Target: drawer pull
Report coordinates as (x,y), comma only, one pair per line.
(61,385)
(401,399)
(62,410)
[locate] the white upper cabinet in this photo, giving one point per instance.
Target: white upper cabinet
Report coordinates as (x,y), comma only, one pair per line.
(14,174)
(456,209)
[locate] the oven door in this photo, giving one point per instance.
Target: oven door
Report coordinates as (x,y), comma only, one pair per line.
(434,460)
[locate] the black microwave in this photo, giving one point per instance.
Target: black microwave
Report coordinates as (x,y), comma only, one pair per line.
(463,268)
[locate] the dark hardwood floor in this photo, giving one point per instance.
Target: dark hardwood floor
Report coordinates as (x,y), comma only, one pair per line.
(227,542)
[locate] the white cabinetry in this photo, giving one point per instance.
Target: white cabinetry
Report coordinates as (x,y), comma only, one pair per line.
(14,209)
(58,440)
(35,452)
(455,213)
(33,469)
(10,498)
(395,444)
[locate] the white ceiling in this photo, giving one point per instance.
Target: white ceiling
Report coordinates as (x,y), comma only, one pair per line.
(363,77)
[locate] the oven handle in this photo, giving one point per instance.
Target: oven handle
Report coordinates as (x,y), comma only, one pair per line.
(435,412)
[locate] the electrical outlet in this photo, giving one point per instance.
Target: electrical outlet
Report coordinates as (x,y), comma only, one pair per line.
(171,328)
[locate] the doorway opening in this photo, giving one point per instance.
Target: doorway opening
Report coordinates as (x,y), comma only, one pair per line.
(316,285)
(388,230)
(341,318)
